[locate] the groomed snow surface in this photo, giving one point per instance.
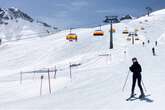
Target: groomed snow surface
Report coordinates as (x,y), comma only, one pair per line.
(97,83)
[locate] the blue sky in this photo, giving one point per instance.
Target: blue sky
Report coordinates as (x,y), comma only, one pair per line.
(81,13)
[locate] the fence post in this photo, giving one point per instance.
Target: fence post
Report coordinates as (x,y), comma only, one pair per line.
(49,81)
(42,77)
(70,69)
(110,57)
(107,58)
(21,77)
(55,70)
(34,74)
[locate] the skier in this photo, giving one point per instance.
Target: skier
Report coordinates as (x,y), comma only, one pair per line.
(153,51)
(125,52)
(47,31)
(148,41)
(143,43)
(0,41)
(156,43)
(136,69)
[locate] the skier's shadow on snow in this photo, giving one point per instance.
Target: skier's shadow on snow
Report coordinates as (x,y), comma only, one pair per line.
(147,100)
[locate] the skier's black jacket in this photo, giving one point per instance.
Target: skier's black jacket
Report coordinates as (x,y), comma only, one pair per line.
(135,68)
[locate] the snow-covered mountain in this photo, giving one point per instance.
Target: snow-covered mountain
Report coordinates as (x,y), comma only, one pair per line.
(15,24)
(97,82)
(13,13)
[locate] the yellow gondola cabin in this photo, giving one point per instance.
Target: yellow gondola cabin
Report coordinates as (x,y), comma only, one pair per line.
(72,37)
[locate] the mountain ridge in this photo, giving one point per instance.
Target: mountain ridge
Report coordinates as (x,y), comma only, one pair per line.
(14,22)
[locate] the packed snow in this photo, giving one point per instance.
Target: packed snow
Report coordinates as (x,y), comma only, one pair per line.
(96,84)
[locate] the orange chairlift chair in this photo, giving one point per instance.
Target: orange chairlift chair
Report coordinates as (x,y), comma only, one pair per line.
(98,32)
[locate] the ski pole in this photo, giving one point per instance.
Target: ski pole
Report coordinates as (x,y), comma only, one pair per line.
(125,82)
(144,86)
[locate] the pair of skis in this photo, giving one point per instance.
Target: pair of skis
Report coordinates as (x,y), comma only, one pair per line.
(134,97)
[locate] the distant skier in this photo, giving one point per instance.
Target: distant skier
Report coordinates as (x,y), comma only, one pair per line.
(148,41)
(125,52)
(156,43)
(143,43)
(153,51)
(136,69)
(47,31)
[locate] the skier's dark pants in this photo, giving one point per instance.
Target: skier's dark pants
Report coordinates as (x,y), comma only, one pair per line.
(137,77)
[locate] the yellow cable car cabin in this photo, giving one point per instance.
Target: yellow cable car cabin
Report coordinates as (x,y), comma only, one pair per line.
(98,33)
(71,37)
(113,30)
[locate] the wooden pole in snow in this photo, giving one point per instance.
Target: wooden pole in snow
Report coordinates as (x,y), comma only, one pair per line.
(55,72)
(42,77)
(34,74)
(21,77)
(49,81)
(70,69)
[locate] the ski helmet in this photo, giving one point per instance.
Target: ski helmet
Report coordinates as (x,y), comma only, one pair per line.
(134,59)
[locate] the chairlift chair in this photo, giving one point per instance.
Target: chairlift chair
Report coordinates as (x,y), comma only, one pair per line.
(98,33)
(142,28)
(113,30)
(125,31)
(72,37)
(137,38)
(146,20)
(136,30)
(129,39)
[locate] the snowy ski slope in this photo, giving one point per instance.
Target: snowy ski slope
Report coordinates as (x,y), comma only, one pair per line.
(97,83)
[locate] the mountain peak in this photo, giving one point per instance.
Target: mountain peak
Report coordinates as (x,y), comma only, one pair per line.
(13,13)
(14,24)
